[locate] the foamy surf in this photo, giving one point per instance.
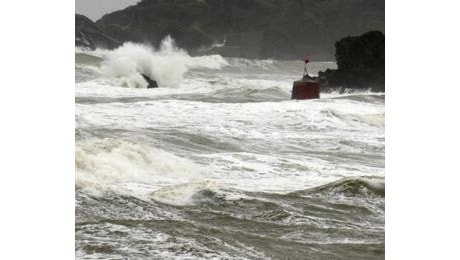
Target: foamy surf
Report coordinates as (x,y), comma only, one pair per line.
(219,162)
(111,164)
(166,65)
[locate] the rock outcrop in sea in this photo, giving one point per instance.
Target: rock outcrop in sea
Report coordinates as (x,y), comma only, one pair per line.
(360,62)
(278,29)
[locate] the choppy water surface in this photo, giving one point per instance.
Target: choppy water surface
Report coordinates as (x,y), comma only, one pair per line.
(219,163)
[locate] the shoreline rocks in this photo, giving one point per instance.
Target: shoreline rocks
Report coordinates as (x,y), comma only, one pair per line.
(360,62)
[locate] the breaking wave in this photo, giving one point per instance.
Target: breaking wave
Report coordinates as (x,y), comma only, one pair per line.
(349,187)
(167,65)
(103,164)
(368,118)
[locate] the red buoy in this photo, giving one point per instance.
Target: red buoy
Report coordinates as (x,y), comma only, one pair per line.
(307,87)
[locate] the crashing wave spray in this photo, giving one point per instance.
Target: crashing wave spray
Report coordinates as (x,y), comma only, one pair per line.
(167,65)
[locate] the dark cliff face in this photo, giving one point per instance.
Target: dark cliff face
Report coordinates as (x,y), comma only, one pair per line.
(360,62)
(282,29)
(88,34)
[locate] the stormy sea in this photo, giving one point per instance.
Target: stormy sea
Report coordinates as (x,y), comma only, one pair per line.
(220,163)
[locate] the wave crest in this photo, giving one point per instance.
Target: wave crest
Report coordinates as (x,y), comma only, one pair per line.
(350,187)
(366,118)
(167,65)
(105,163)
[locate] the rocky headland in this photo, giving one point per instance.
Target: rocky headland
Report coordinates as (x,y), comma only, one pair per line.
(89,35)
(257,29)
(279,29)
(360,63)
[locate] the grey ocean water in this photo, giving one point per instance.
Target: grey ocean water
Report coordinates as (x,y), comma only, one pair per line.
(219,163)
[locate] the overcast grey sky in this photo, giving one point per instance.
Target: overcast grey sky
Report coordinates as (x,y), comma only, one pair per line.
(95,9)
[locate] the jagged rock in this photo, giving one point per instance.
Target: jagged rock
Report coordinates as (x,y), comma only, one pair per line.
(151,83)
(89,35)
(360,62)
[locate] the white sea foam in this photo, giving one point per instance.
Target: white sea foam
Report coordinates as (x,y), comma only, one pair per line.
(159,245)
(281,146)
(209,62)
(288,145)
(221,133)
(181,194)
(167,64)
(113,164)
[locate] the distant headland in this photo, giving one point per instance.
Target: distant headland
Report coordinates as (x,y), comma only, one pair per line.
(278,29)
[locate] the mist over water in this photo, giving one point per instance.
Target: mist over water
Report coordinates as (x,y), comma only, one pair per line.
(219,163)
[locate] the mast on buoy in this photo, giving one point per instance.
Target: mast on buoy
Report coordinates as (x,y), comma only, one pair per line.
(305,72)
(307,87)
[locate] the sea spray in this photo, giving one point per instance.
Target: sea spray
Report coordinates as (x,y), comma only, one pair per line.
(167,65)
(226,166)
